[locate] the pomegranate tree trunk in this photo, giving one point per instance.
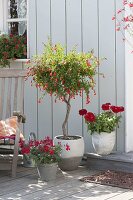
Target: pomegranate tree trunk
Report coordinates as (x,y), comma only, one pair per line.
(64,125)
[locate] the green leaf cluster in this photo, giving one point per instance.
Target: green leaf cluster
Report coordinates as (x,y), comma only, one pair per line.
(61,74)
(12,47)
(104,122)
(43,157)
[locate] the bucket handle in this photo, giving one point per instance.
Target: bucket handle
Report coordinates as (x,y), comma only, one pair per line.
(32,135)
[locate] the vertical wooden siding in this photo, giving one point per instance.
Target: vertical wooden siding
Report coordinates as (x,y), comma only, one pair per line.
(88,24)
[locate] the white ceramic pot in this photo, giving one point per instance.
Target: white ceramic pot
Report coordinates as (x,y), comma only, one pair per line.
(70,159)
(103,143)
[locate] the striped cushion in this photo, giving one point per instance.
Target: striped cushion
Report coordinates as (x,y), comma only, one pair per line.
(8,131)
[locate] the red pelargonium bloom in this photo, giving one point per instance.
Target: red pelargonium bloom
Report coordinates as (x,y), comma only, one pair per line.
(115,109)
(82,112)
(36,143)
(25,150)
(46,148)
(90,117)
(106,106)
(51,152)
(121,108)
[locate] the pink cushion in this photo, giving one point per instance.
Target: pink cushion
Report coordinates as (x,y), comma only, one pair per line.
(8,130)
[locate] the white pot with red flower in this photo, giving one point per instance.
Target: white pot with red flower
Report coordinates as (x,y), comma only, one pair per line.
(65,77)
(71,154)
(46,156)
(102,127)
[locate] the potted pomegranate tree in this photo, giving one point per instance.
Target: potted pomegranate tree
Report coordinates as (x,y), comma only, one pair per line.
(65,76)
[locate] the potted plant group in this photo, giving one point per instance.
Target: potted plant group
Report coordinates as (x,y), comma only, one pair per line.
(65,76)
(12,47)
(102,127)
(45,155)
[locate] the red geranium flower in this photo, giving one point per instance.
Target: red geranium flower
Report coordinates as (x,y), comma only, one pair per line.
(46,148)
(121,108)
(51,151)
(90,117)
(25,150)
(106,106)
(82,112)
(115,109)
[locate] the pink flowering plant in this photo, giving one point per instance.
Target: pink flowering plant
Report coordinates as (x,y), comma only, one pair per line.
(107,121)
(124,19)
(42,151)
(12,47)
(64,76)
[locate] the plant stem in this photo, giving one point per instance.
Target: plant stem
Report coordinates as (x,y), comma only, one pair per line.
(64,128)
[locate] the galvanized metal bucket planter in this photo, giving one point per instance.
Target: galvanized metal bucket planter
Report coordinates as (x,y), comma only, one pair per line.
(47,172)
(28,162)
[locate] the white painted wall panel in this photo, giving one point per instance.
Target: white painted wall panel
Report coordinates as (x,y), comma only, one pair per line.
(107,85)
(1,16)
(30,96)
(43,32)
(58,34)
(120,83)
(90,31)
(74,38)
(87,24)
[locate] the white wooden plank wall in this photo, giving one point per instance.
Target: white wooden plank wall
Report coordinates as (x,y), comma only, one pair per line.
(1,16)
(87,24)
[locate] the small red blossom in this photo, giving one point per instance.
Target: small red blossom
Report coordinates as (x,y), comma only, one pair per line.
(67,147)
(51,152)
(130,5)
(118,29)
(88,63)
(82,112)
(119,11)
(113,18)
(25,150)
(90,117)
(46,148)
(16,47)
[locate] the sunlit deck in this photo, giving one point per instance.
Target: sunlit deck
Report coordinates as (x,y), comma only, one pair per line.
(27,186)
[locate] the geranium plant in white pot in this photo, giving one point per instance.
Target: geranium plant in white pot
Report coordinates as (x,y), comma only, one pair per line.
(102,127)
(65,76)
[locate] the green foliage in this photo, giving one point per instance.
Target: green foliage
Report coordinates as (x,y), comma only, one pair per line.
(41,151)
(63,75)
(104,122)
(12,47)
(44,157)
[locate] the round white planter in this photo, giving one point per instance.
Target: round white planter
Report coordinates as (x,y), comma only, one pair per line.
(70,159)
(103,143)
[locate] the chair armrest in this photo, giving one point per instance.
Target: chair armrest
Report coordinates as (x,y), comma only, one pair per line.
(21,117)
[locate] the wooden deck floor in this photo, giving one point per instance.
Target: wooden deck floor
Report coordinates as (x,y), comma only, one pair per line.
(27,186)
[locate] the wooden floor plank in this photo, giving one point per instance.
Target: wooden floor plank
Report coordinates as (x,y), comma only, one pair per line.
(125,196)
(30,184)
(67,186)
(99,192)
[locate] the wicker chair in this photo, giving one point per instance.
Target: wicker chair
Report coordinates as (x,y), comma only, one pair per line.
(11,100)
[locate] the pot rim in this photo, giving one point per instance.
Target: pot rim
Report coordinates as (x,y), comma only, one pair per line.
(78,137)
